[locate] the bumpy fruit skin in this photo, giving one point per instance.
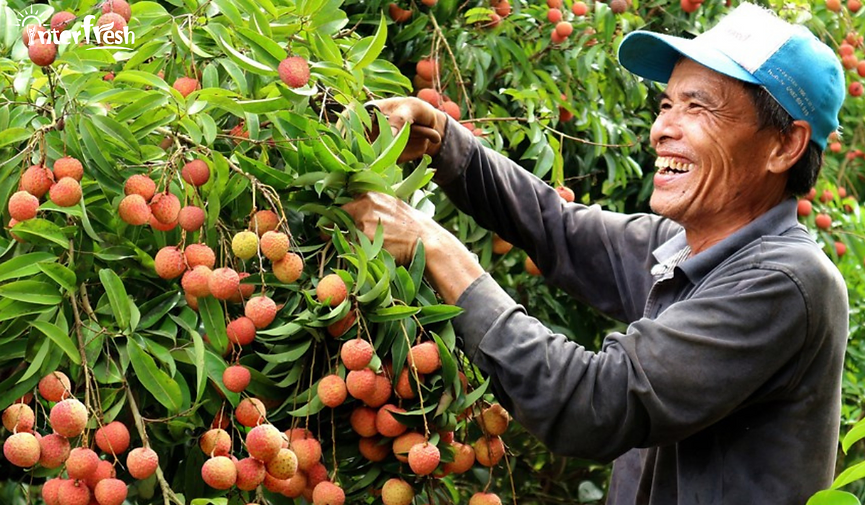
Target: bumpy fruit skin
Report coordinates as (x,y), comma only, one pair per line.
(295,485)
(49,490)
(134,210)
(338,328)
(427,68)
(104,470)
(68,417)
(68,166)
(308,452)
(23,206)
(196,172)
(423,458)
(54,449)
(264,442)
(244,291)
(195,281)
(294,72)
(219,472)
(142,462)
(199,254)
(42,53)
(356,354)
(403,444)
(22,450)
(485,499)
(119,6)
(274,245)
(72,492)
(250,473)
(110,492)
(236,378)
(156,225)
(283,465)
(362,421)
(54,386)
(464,458)
(332,390)
(215,442)
(37,180)
(169,263)
(191,218)
(263,221)
(61,21)
(289,268)
(360,383)
(241,331)
(331,289)
(381,392)
(386,424)
(37,31)
(425,356)
(250,412)
(261,310)
(115,21)
(139,184)
(185,86)
(81,463)
(223,283)
(113,438)
(165,207)
(489,451)
(374,448)
(404,383)
(494,419)
(244,245)
(397,492)
(328,493)
(66,192)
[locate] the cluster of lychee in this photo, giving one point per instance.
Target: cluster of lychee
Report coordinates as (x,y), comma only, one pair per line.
(62,184)
(162,210)
(40,42)
(426,81)
(89,478)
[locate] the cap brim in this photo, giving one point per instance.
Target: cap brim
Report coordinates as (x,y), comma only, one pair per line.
(653,56)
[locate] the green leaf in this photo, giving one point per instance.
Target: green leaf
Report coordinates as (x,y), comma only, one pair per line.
(392,313)
(435,313)
(145,78)
(292,352)
(117,296)
(41,231)
(833,497)
(856,433)
(214,322)
(477,393)
(36,364)
(11,389)
(118,132)
(31,291)
(419,178)
(264,47)
(60,338)
(60,274)
(366,50)
(163,388)
(389,156)
(221,36)
(13,135)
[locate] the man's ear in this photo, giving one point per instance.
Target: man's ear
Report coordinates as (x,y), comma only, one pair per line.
(792,145)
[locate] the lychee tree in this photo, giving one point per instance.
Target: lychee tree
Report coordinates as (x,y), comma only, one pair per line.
(185,308)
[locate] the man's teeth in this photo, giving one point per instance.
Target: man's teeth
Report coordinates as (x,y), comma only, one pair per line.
(671,165)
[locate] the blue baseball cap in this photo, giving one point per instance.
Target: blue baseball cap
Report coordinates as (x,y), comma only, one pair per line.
(753,45)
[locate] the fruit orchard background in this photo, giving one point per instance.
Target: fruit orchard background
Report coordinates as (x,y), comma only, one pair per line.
(80,294)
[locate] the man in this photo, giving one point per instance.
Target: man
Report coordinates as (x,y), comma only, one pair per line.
(725,388)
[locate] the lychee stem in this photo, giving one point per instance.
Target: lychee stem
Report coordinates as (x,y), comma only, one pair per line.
(168,495)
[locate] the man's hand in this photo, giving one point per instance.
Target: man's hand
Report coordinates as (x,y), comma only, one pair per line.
(427,124)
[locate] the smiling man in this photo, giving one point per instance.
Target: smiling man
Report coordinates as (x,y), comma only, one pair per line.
(725,387)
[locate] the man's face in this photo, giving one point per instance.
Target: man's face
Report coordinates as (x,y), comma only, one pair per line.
(711,157)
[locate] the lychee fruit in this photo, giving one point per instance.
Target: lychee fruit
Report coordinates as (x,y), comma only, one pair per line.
(360,383)
(261,310)
(331,289)
(307,451)
(66,192)
(250,412)
(423,458)
(287,269)
(191,218)
(215,442)
(374,448)
(332,390)
(464,458)
(494,419)
(485,499)
(195,281)
(425,357)
(22,449)
(219,472)
(294,71)
(362,421)
(295,485)
(427,68)
(566,193)
(244,291)
(68,166)
(61,21)
(37,31)
(81,463)
(199,254)
(386,423)
(113,438)
(112,22)
(18,417)
(134,210)
(244,245)
(68,417)
(241,331)
(104,470)
(293,434)
(223,283)
(356,354)
(139,184)
(54,449)
(397,492)
(250,473)
(403,444)
(23,206)
(37,180)
(142,462)
(50,489)
(274,245)
(42,53)
(263,221)
(398,14)
(489,450)
(328,493)
(158,226)
(119,6)
(381,393)
(404,384)
(185,86)
(110,492)
(72,492)
(338,328)
(169,262)
(264,442)
(283,465)
(54,386)
(165,207)
(196,172)
(501,246)
(236,378)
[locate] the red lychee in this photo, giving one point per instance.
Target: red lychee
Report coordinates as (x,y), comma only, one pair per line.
(250,473)
(37,180)
(236,378)
(332,391)
(191,218)
(110,492)
(244,291)
(186,85)
(356,354)
(427,68)
(66,192)
(81,463)
(119,6)
(331,289)
(23,206)
(156,225)
(261,310)
(485,499)
(34,29)
(112,22)
(219,472)
(274,245)
(566,193)
(494,420)
(398,14)
(68,417)
(381,393)
(283,465)
(139,184)
(142,462)
(464,458)
(165,207)
(42,53)
(113,438)
(169,262)
(425,356)
(61,21)
(374,448)
(50,489)
(397,492)
(295,485)
(72,492)
(386,423)
(195,281)
(307,451)
(338,328)
(68,166)
(223,283)
(250,412)
(289,268)
(403,444)
(54,449)
(328,493)
(18,417)
(104,470)
(215,442)
(134,210)
(294,71)
(196,172)
(362,421)
(423,458)
(264,442)
(22,449)
(360,383)
(263,221)
(55,386)
(199,254)
(241,331)
(404,383)
(489,451)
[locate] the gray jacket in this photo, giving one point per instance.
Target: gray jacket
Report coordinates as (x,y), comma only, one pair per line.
(726,386)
